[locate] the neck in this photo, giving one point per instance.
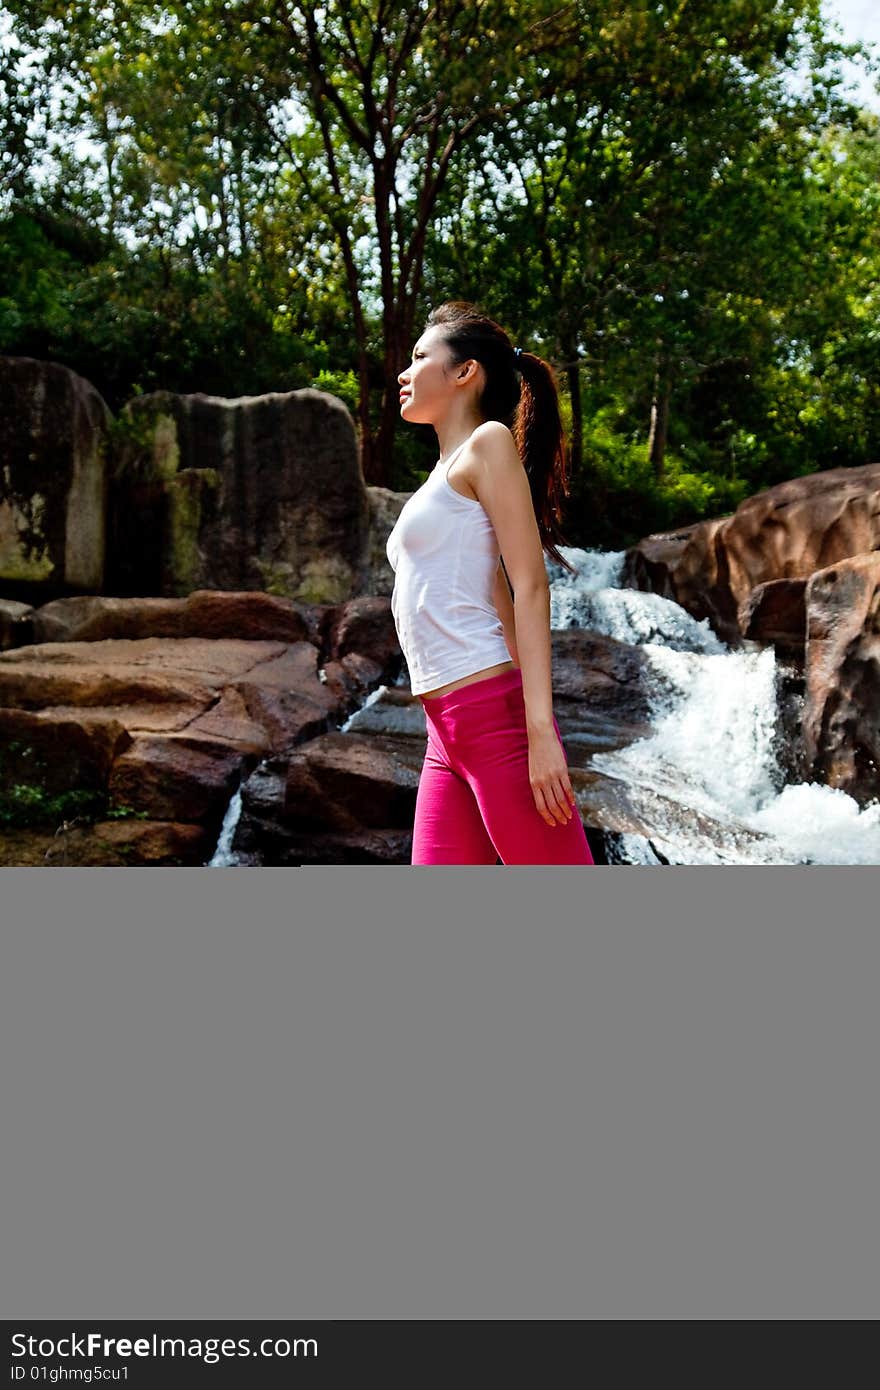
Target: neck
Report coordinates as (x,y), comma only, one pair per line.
(454,429)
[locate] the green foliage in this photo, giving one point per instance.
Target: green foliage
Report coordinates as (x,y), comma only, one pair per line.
(673,203)
(344,385)
(617,497)
(26,801)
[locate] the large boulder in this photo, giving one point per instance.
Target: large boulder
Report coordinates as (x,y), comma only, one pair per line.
(109,843)
(161,726)
(206,613)
(785,533)
(164,727)
(841,720)
(265,835)
(385,508)
(775,613)
(256,493)
(683,566)
(600,695)
(53,477)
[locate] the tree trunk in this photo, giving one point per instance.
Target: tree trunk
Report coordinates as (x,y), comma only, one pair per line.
(657,434)
(364,423)
(397,336)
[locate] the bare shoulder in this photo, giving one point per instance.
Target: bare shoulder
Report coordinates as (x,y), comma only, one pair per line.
(493,446)
(493,437)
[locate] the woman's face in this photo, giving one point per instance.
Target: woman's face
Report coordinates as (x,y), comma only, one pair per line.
(427,385)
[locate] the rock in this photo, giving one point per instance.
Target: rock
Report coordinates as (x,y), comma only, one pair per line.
(59,749)
(15,628)
(364,625)
(775,613)
(256,493)
(285,697)
(683,566)
(178,777)
(787,532)
(251,617)
(385,508)
(621,808)
(166,725)
(841,723)
(177,678)
(124,843)
(600,695)
(344,782)
(350,679)
(53,488)
(265,836)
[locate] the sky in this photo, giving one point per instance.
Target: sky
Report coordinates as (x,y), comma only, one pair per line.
(859,19)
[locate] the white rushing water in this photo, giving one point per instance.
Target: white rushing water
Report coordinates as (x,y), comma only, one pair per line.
(711,757)
(224,856)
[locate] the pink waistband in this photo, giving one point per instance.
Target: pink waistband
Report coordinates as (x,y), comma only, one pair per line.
(490,688)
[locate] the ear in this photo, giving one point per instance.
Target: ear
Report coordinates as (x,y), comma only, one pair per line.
(466,371)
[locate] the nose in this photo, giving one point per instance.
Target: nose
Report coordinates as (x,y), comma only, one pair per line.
(403,377)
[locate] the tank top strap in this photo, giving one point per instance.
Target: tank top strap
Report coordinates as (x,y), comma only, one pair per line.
(447,463)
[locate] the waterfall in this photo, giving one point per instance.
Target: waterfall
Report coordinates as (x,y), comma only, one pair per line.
(224,856)
(712,754)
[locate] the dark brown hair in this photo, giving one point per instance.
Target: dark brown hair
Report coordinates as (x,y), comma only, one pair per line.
(521,392)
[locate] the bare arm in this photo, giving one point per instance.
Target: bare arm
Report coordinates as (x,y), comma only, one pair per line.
(504,607)
(501,485)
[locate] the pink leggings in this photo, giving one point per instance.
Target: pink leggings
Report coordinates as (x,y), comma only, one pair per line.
(475,803)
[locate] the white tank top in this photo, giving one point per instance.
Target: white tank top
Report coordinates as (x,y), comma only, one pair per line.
(444,554)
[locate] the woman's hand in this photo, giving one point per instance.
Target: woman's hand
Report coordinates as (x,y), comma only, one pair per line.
(548,775)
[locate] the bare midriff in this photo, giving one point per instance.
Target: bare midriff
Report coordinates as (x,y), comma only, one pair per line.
(468,680)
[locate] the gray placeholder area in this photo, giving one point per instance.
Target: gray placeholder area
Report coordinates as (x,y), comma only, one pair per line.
(395,1093)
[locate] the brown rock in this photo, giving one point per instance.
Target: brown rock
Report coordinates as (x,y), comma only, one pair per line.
(285,696)
(684,566)
(177,777)
(345,782)
(228,721)
(775,613)
(257,493)
(600,696)
(166,725)
(350,679)
(53,437)
(364,625)
(59,749)
(153,672)
(362,846)
(207,613)
(125,843)
(787,532)
(841,723)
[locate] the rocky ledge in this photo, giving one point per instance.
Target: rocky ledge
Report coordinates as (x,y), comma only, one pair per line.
(159,709)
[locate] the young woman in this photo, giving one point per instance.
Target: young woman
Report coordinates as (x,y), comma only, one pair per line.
(494,783)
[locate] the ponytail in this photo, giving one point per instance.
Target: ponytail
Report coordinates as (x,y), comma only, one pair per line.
(521,392)
(541,442)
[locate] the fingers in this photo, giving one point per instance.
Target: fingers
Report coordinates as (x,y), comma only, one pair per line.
(554,801)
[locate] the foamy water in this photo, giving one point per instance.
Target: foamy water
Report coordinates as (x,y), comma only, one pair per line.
(712,753)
